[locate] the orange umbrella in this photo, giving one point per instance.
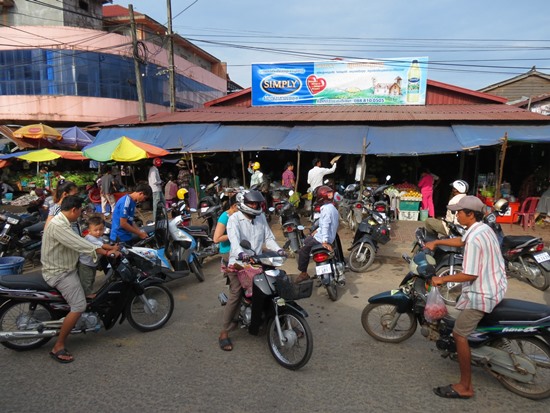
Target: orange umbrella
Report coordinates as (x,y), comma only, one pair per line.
(38,131)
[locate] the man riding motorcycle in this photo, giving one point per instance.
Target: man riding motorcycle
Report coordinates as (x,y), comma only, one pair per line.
(458,191)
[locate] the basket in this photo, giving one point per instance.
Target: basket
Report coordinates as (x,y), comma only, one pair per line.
(11,265)
(290,291)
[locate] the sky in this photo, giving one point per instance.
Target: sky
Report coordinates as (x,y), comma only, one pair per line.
(469,43)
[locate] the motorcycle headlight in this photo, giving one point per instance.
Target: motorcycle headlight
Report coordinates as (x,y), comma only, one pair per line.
(12,220)
(273,261)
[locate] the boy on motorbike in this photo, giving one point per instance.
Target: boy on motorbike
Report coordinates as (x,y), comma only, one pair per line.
(484,285)
(325,234)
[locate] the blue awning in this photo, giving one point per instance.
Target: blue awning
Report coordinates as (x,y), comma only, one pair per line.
(411,140)
(229,138)
(178,136)
(471,136)
(335,139)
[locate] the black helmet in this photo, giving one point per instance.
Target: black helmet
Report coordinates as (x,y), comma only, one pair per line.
(249,197)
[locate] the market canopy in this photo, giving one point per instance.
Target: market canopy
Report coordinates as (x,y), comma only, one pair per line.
(44,155)
(37,131)
(340,139)
(75,138)
(122,149)
(471,136)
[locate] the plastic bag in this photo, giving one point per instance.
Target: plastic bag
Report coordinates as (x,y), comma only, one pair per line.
(246,277)
(435,306)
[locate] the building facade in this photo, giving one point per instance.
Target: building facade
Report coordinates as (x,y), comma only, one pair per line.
(71,62)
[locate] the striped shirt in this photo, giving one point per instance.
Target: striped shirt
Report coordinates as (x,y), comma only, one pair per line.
(482,259)
(61,247)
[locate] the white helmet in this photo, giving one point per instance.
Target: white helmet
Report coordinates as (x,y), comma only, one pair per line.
(461,186)
(248,197)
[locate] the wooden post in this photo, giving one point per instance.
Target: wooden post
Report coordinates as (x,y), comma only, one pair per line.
(363,165)
(501,166)
(297,171)
(195,179)
(244,174)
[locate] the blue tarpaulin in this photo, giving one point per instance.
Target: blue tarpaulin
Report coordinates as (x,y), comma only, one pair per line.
(338,139)
(471,136)
(411,140)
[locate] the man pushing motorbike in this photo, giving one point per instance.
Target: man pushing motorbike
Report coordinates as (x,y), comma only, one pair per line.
(484,285)
(61,248)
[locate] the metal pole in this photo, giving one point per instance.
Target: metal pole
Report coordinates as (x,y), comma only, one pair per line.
(137,69)
(171,68)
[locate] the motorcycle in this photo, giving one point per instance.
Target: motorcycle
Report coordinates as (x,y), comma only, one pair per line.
(448,259)
(289,336)
(525,256)
(378,201)
(511,342)
(33,312)
(12,230)
(293,230)
(372,230)
(173,246)
(330,267)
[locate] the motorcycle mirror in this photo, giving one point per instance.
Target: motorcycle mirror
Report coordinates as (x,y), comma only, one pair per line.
(245,244)
(388,177)
(192,210)
(216,178)
(271,209)
(290,193)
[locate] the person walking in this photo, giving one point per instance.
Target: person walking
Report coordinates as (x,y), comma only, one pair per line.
(289,180)
(426,185)
(484,285)
(107,190)
(156,186)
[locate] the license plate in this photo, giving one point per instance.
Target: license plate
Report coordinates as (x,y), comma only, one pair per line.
(323,269)
(542,257)
(204,209)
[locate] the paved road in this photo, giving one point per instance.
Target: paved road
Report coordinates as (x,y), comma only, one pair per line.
(181,369)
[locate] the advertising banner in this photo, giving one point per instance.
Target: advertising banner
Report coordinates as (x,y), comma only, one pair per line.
(365,82)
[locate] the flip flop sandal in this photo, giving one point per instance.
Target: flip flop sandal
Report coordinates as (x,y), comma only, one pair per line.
(448,392)
(225,344)
(58,356)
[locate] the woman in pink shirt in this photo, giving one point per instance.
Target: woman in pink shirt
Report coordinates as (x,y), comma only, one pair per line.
(288,176)
(426,185)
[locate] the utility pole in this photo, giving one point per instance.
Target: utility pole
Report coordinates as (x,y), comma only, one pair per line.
(137,69)
(171,68)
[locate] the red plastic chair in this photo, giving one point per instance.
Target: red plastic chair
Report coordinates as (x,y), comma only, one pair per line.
(527,211)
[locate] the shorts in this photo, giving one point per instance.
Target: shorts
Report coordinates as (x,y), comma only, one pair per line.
(467,321)
(68,284)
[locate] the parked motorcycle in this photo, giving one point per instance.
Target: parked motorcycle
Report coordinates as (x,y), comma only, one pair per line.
(525,256)
(173,246)
(293,230)
(377,200)
(372,230)
(330,267)
(12,227)
(33,312)
(289,336)
(511,342)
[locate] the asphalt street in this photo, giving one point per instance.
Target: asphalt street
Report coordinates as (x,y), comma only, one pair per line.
(180,368)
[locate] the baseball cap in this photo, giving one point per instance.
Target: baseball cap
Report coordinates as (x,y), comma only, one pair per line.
(473,203)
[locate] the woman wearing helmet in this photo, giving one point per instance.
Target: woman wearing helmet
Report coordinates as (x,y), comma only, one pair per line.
(325,234)
(459,189)
(257,176)
(248,223)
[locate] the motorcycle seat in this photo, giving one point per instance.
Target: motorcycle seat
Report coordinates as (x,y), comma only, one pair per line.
(197,229)
(513,241)
(28,281)
(510,309)
(35,230)
(317,248)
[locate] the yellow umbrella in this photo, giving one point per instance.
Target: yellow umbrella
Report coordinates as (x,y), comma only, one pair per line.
(122,149)
(38,131)
(44,155)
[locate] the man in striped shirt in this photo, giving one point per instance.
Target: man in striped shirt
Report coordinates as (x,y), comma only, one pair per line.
(484,285)
(61,248)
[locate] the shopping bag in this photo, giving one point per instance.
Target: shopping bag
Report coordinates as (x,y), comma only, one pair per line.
(246,277)
(435,306)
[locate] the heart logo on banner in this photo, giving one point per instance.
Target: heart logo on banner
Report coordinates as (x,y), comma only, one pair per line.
(315,84)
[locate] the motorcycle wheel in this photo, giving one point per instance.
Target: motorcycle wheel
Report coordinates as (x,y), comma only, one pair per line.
(332,289)
(361,257)
(450,291)
(351,221)
(197,270)
(537,352)
(377,320)
(297,339)
(143,318)
(542,282)
(16,316)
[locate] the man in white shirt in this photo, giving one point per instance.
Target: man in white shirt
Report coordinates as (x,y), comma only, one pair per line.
(458,191)
(156,185)
(316,174)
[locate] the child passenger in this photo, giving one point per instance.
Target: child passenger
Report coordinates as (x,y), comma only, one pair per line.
(86,265)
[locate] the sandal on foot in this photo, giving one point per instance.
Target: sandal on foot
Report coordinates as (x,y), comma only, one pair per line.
(59,356)
(448,392)
(225,344)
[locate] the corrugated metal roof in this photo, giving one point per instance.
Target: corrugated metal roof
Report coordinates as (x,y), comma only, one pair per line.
(338,114)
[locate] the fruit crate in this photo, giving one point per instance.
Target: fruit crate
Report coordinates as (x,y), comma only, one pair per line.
(408,215)
(409,205)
